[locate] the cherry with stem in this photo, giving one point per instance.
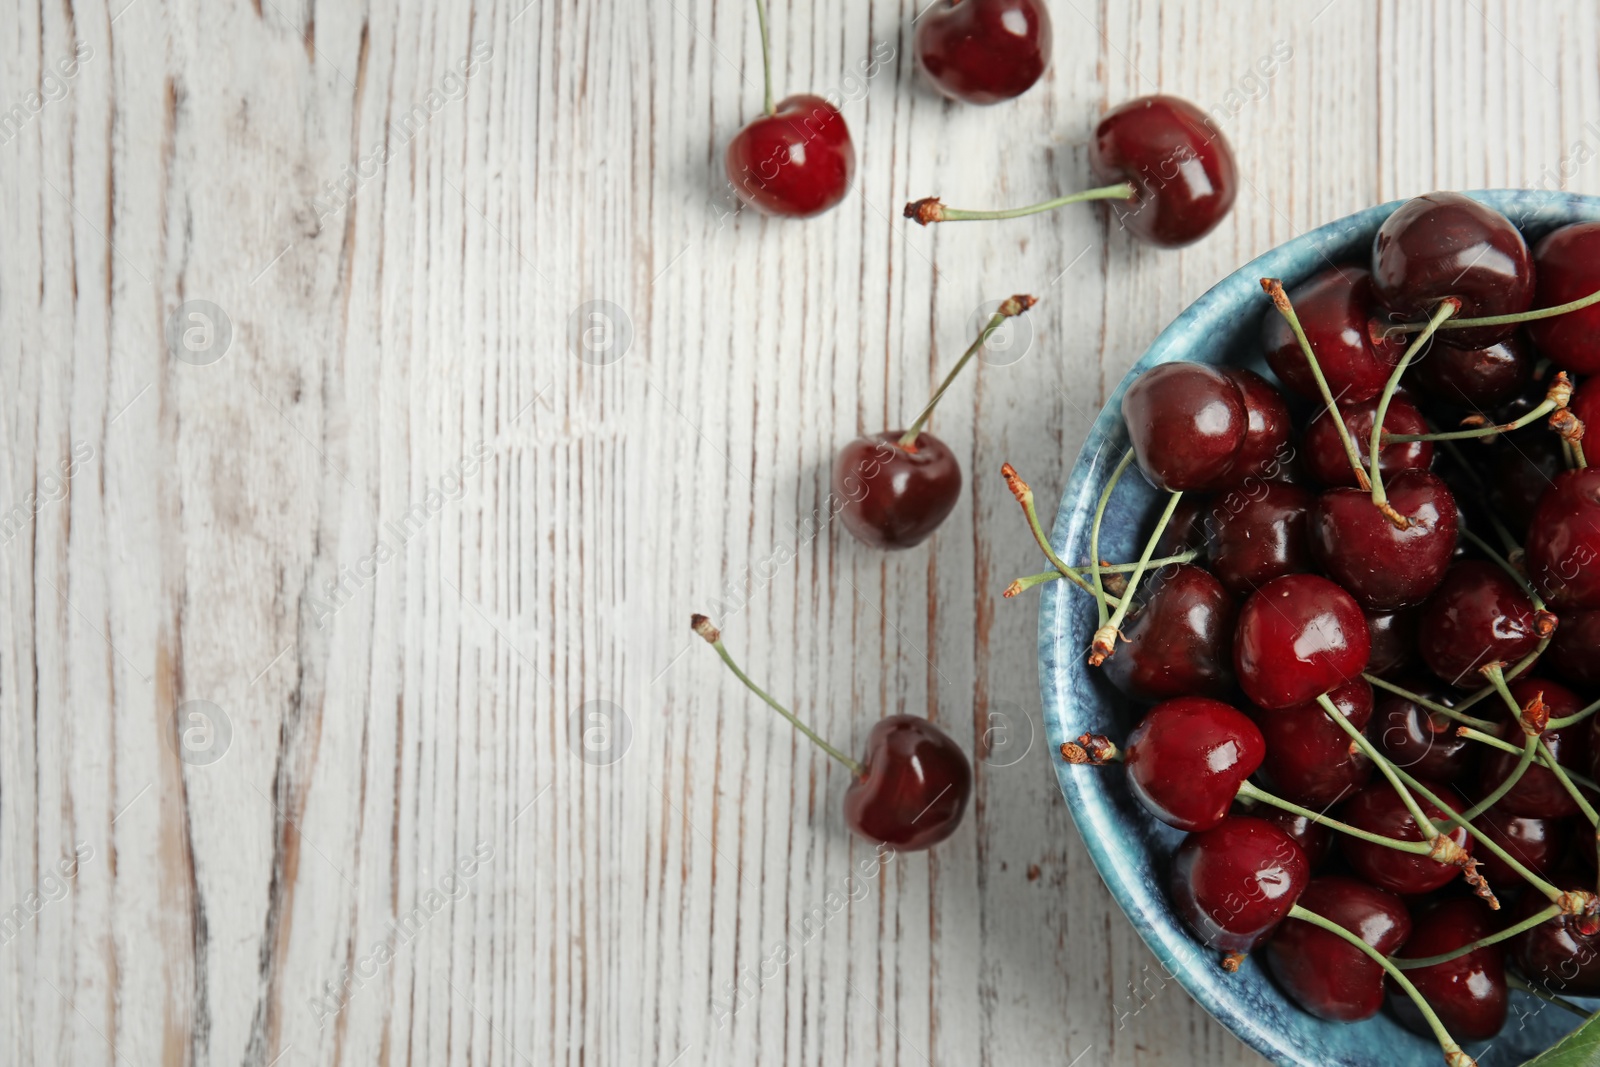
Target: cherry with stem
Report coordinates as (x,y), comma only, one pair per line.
(1533,315)
(1022,585)
(1105,638)
(931,209)
(1016,305)
(1280,300)
(1446,308)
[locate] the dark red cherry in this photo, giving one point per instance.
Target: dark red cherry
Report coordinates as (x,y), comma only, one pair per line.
(1585,403)
(1563,543)
(1299,636)
(1186,528)
(1258,533)
(1265,451)
(1330,464)
(1537,844)
(1568,264)
(1187,757)
(1385,568)
(1574,654)
(1481,378)
(1538,793)
(894,496)
(1187,422)
(914,785)
(1478,615)
(1448,245)
(1420,742)
(1236,881)
(1523,465)
(1468,993)
(1556,956)
(984,51)
(1181,168)
(1309,759)
(796,163)
(1322,972)
(1378,809)
(1334,310)
(1314,838)
(1394,641)
(1179,641)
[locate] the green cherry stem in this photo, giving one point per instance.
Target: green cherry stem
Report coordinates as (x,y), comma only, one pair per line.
(1574,718)
(1541,626)
(1388,770)
(1507,320)
(1568,784)
(1447,307)
(1453,1056)
(1542,916)
(1024,495)
(1544,408)
(1439,709)
(1094,532)
(702,626)
(1105,638)
(1280,300)
(1506,746)
(1250,791)
(766,55)
(1014,306)
(1022,585)
(930,209)
(1545,995)
(1530,752)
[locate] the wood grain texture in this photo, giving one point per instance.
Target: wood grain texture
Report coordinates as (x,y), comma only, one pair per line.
(399,208)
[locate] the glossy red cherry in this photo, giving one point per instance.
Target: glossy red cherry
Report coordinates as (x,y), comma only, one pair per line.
(1299,636)
(1179,642)
(1480,378)
(1261,538)
(1563,543)
(1187,757)
(795,163)
(1394,641)
(1479,615)
(1236,881)
(1181,167)
(1324,451)
(914,786)
(1385,568)
(1568,265)
(1574,654)
(1448,245)
(1187,422)
(1468,993)
(1538,793)
(1537,844)
(893,496)
(1265,452)
(984,51)
(1309,760)
(1378,809)
(1322,972)
(1420,742)
(1556,956)
(1314,838)
(1334,309)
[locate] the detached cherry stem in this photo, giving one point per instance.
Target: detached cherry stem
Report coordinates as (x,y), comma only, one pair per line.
(713,637)
(1506,320)
(1014,306)
(931,209)
(766,56)
(1453,1055)
(1280,300)
(1447,307)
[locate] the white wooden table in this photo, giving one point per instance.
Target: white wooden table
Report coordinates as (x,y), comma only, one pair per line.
(320,543)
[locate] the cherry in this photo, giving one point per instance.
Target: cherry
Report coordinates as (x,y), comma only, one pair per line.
(1186,529)
(1314,838)
(1477,616)
(1385,568)
(1235,882)
(1187,422)
(1299,636)
(1556,956)
(1265,451)
(1574,654)
(1585,403)
(1448,245)
(1378,809)
(894,496)
(1187,757)
(1568,263)
(1537,844)
(1481,378)
(1309,759)
(1181,168)
(796,161)
(1179,642)
(1563,543)
(1325,974)
(1523,466)
(1330,463)
(1394,640)
(984,51)
(912,789)
(1264,538)
(1421,742)
(1538,793)
(1355,355)
(1468,993)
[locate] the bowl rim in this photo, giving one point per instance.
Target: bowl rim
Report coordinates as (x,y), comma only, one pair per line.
(1086,793)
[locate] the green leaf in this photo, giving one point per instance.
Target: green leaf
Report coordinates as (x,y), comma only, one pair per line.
(1581,1048)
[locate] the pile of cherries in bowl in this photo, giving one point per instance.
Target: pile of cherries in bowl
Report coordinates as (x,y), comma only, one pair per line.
(1366,689)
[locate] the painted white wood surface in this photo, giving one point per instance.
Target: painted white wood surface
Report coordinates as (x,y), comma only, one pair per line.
(385,336)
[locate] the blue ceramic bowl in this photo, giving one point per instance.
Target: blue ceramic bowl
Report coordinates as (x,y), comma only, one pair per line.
(1130,847)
